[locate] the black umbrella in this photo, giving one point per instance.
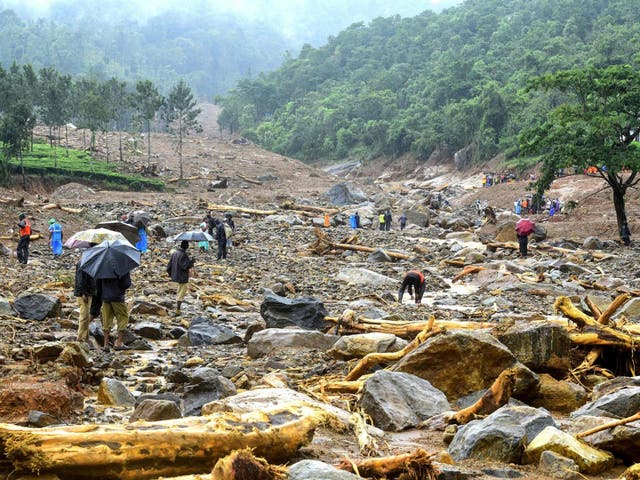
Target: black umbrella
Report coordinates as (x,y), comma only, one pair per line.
(194,236)
(141,218)
(129,231)
(110,259)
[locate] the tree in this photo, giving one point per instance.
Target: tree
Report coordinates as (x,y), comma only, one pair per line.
(181,115)
(55,91)
(15,132)
(596,126)
(147,101)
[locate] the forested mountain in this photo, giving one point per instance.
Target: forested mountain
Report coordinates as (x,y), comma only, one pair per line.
(434,82)
(209,43)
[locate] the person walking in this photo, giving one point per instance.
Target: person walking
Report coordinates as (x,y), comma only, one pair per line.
(178,269)
(113,306)
(84,290)
(55,237)
(403,221)
(381,221)
(387,220)
(204,244)
(327,221)
(415,283)
(357,220)
(221,237)
(24,230)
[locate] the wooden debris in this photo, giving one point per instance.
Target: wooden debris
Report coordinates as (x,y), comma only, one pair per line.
(417,464)
(494,398)
(249,180)
(243,465)
(309,208)
(373,359)
(323,246)
(469,269)
(231,208)
(51,206)
(368,445)
(607,426)
(166,448)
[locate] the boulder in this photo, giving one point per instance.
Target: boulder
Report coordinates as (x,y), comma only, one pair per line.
(396,401)
(306,312)
(155,410)
(198,395)
(506,232)
(558,466)
(620,403)
(501,436)
(76,354)
(612,385)
(364,277)
(590,460)
(267,341)
(316,470)
(539,233)
(344,194)
(38,306)
(357,346)
(541,347)
(623,441)
(379,256)
(460,362)
(40,419)
(592,243)
(47,352)
(631,310)
(151,330)
(415,217)
(5,307)
(559,395)
(203,332)
(114,392)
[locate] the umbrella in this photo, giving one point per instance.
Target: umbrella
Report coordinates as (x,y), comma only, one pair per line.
(85,238)
(141,218)
(524,226)
(194,236)
(129,231)
(110,259)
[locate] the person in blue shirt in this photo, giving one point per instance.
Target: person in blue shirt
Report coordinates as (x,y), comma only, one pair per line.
(55,237)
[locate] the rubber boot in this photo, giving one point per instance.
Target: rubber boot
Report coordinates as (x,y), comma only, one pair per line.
(105,346)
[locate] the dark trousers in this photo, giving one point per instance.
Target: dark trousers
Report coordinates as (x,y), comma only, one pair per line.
(523,241)
(23,249)
(222,249)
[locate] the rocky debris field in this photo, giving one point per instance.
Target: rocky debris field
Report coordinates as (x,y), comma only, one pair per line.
(496,374)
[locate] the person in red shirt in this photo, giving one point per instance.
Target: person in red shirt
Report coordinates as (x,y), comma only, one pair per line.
(24,226)
(415,282)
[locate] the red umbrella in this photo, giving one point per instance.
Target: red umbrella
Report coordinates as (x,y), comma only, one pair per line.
(524,226)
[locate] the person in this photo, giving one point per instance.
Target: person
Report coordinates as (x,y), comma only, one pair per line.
(523,243)
(113,306)
(387,220)
(55,237)
(24,226)
(228,232)
(327,220)
(204,227)
(625,234)
(403,221)
(221,237)
(381,221)
(211,223)
(143,243)
(415,283)
(352,221)
(357,220)
(178,269)
(84,290)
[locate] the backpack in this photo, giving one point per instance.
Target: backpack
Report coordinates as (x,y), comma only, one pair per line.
(228,231)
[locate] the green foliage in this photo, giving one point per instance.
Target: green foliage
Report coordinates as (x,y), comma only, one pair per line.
(432,82)
(40,161)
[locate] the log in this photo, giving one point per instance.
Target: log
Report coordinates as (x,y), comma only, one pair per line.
(469,269)
(494,398)
(368,445)
(243,465)
(372,359)
(417,464)
(231,208)
(144,450)
(309,208)
(51,206)
(255,182)
(607,426)
(323,246)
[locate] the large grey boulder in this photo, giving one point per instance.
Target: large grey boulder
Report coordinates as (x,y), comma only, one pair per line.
(202,331)
(306,312)
(197,395)
(501,436)
(345,194)
(357,346)
(612,385)
(38,306)
(114,392)
(459,363)
(155,410)
(623,441)
(267,341)
(364,277)
(396,401)
(316,470)
(559,395)
(617,404)
(151,330)
(5,307)
(541,347)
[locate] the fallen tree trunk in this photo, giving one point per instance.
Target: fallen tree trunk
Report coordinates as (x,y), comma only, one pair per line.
(309,208)
(494,398)
(249,180)
(166,448)
(368,445)
(323,246)
(371,360)
(231,208)
(416,464)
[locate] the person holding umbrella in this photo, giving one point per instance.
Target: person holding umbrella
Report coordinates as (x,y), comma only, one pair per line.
(113,306)
(178,269)
(84,290)
(524,228)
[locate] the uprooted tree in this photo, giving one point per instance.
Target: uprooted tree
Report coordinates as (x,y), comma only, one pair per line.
(595,127)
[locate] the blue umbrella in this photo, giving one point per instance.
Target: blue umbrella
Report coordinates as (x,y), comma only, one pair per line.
(110,259)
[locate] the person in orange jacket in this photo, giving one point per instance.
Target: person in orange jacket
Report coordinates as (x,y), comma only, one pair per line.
(24,226)
(415,282)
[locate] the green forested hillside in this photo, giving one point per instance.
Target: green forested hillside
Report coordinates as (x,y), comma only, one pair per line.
(431,82)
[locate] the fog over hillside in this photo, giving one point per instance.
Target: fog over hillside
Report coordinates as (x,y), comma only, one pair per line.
(299,21)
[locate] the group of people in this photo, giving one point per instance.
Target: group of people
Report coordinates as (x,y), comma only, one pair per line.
(221,231)
(530,205)
(24,238)
(490,179)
